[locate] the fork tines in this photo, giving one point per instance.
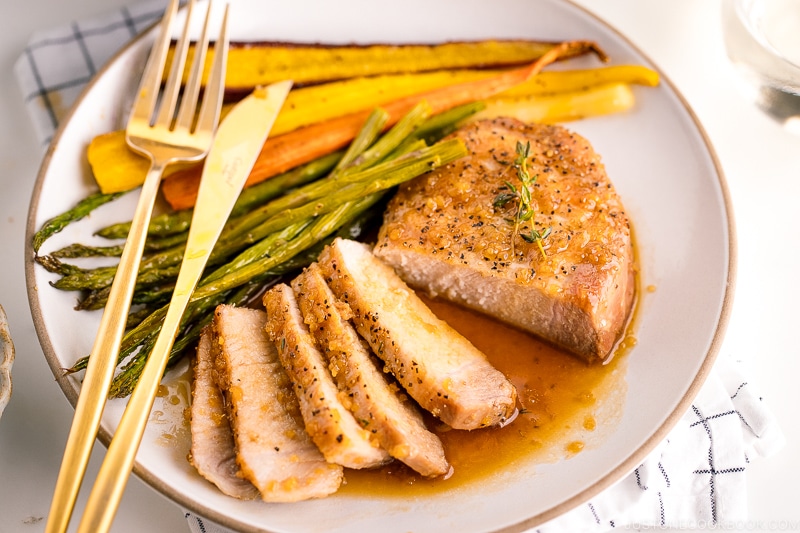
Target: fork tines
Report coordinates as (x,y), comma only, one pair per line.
(155,105)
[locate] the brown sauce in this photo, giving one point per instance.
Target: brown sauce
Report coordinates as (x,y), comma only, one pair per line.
(565,406)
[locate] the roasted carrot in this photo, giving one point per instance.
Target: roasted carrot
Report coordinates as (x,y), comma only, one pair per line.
(254,64)
(284,152)
(563,107)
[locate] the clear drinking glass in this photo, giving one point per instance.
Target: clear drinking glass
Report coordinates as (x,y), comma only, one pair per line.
(762,38)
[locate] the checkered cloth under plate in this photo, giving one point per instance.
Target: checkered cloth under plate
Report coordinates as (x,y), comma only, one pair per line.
(695,477)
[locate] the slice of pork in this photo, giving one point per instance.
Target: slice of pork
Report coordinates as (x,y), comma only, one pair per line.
(376,403)
(213,451)
(331,425)
(436,365)
(273,449)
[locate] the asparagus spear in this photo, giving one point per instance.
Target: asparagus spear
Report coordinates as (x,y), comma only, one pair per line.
(156,293)
(153,244)
(136,317)
(75,250)
(274,187)
(145,332)
(173,223)
(52,264)
(124,382)
(161,225)
(406,126)
(442,124)
(366,136)
(58,223)
(168,230)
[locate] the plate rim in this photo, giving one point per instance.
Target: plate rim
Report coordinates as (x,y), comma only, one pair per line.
(616,473)
(7,355)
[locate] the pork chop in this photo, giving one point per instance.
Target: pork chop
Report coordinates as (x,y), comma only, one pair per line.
(443,234)
(213,451)
(435,364)
(273,449)
(376,402)
(331,425)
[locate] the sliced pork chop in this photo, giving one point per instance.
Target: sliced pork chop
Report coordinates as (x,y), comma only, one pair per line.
(437,366)
(442,234)
(273,449)
(331,425)
(376,403)
(213,451)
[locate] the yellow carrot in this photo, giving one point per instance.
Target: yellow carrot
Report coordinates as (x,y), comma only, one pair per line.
(254,64)
(321,102)
(562,107)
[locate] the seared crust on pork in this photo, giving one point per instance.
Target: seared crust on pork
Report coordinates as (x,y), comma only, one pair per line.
(442,234)
(437,366)
(273,449)
(331,425)
(377,404)
(213,451)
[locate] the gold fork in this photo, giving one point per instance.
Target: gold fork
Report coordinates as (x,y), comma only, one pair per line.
(157,132)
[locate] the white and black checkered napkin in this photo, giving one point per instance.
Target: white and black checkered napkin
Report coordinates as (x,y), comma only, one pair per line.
(57,63)
(695,477)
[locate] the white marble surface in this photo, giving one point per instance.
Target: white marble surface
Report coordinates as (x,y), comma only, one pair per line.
(761,162)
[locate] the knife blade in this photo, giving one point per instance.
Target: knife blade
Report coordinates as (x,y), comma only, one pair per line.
(236,146)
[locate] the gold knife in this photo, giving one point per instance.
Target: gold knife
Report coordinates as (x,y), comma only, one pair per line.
(236,146)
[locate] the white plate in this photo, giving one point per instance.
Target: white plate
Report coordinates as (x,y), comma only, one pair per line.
(660,161)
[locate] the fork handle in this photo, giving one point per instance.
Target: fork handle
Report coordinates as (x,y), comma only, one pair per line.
(215,201)
(113,475)
(103,360)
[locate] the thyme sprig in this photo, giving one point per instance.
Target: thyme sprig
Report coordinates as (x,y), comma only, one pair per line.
(524,198)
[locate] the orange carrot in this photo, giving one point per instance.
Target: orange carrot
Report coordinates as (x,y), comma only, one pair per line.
(284,152)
